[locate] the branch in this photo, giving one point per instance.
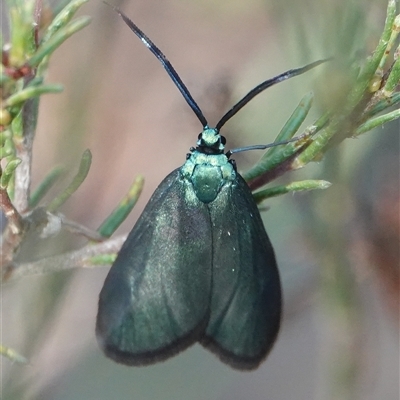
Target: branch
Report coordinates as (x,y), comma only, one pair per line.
(74,259)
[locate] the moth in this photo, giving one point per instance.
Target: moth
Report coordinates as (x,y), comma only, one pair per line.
(198,266)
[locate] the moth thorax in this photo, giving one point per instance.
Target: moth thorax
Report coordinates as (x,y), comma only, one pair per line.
(207,181)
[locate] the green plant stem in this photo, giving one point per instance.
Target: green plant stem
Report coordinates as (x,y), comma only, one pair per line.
(291,187)
(114,220)
(84,167)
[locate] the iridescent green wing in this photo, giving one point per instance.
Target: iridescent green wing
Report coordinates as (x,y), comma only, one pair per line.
(156,298)
(246,292)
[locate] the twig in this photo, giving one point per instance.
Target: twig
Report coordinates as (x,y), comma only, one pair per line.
(13,234)
(24,153)
(80,229)
(74,259)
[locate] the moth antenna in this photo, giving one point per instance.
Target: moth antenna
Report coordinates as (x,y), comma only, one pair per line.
(265,85)
(166,64)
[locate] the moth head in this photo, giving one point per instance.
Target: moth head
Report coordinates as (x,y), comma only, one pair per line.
(210,141)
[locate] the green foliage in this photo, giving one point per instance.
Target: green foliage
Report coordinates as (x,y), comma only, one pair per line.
(369,98)
(371,90)
(24,64)
(113,221)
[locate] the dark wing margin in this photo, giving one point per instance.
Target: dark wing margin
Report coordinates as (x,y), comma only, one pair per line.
(155,301)
(246,292)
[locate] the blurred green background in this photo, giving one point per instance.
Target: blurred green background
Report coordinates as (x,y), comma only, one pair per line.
(337,250)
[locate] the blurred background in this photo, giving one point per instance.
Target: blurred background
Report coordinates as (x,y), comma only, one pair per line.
(337,250)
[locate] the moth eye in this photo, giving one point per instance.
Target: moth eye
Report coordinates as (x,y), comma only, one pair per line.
(223,140)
